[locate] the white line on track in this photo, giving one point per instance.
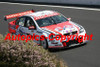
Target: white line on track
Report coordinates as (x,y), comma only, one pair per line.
(80,8)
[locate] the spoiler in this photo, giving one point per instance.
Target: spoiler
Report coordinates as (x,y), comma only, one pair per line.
(17,14)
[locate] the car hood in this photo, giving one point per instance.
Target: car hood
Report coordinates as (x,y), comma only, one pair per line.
(64,27)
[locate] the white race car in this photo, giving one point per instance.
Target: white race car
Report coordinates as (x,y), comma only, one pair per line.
(43,23)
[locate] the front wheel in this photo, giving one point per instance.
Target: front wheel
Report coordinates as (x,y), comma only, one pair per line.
(44,43)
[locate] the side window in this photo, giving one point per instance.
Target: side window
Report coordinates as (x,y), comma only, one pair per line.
(21,21)
(29,22)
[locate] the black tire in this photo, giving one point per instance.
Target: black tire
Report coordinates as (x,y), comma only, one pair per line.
(44,43)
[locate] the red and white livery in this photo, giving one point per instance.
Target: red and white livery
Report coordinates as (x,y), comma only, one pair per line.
(44,23)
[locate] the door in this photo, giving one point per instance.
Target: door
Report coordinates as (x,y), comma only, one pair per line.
(20,23)
(30,29)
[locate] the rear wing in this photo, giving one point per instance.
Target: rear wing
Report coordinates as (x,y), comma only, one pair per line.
(17,14)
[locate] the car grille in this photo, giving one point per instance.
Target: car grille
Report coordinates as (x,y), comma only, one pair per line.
(74,32)
(71,42)
(71,33)
(67,34)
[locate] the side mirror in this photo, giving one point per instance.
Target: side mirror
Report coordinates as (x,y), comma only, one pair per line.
(68,19)
(31,28)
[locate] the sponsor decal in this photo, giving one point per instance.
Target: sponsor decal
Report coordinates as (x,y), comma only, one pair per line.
(58,29)
(40,16)
(68,26)
(18,14)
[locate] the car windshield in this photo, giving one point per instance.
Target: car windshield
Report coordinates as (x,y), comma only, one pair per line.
(51,20)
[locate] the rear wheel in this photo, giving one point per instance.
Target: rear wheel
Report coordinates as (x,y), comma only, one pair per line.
(44,43)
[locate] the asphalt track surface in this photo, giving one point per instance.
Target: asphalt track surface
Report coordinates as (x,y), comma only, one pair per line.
(81,56)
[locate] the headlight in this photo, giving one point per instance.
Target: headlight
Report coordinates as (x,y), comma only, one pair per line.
(81,29)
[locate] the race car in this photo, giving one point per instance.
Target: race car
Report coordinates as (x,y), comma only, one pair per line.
(49,24)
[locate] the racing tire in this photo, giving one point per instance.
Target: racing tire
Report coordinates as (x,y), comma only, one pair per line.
(44,43)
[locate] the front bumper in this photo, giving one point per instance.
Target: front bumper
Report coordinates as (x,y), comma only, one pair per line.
(78,43)
(68,44)
(63,44)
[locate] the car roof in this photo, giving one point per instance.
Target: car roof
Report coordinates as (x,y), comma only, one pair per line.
(43,14)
